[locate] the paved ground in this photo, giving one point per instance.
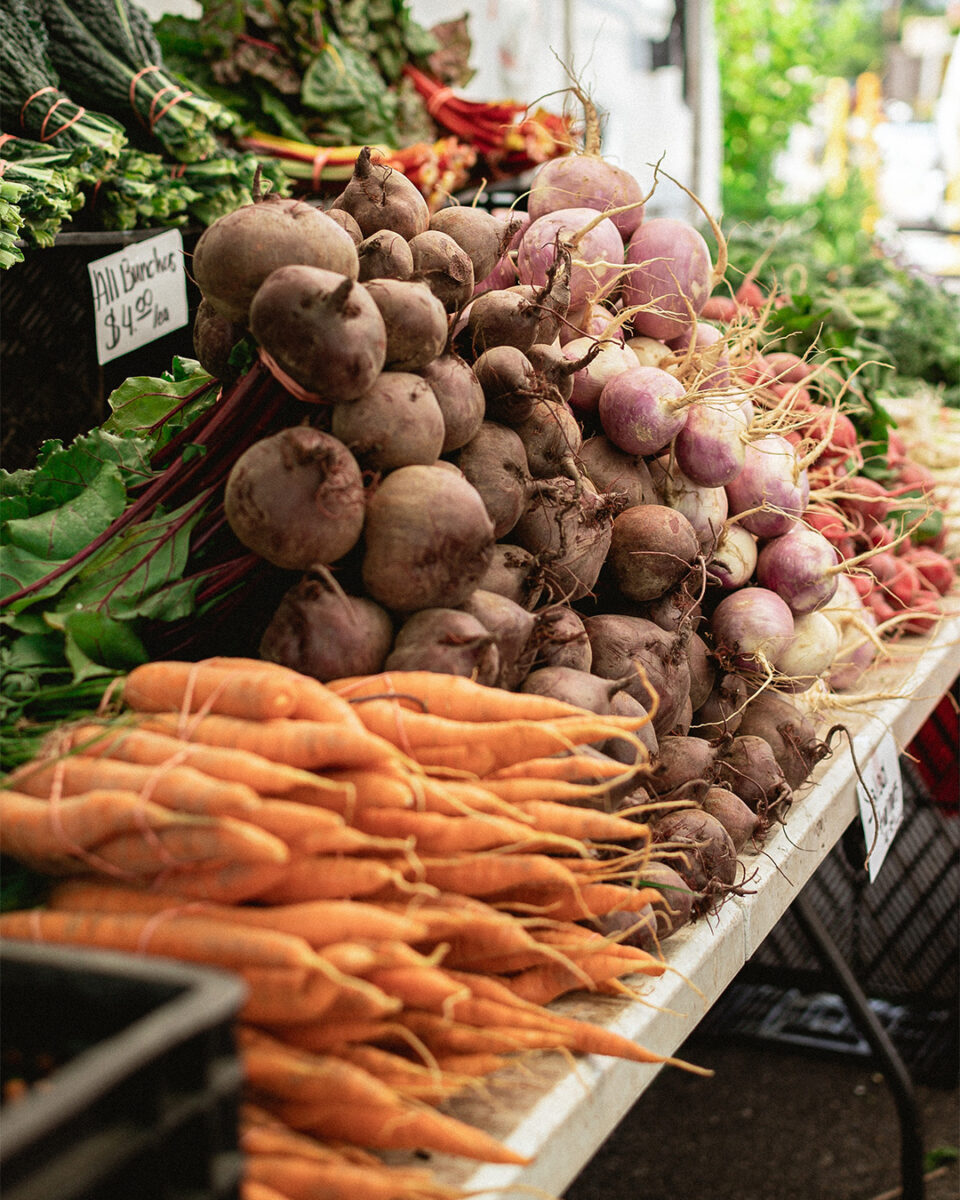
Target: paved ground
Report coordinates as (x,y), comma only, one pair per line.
(771,1125)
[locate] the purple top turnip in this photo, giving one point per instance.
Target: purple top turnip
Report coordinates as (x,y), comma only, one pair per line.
(642,409)
(595,244)
(669,277)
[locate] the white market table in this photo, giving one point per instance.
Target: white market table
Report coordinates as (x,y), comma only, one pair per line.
(559,1112)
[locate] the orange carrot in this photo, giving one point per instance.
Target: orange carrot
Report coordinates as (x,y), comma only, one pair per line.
(267,778)
(443,836)
(320,923)
(402,1126)
(251,1189)
(330,877)
(428,988)
(308,1179)
(452,696)
(545,982)
(380,787)
(460,797)
(314,700)
(333,1031)
(589,900)
(490,874)
(309,745)
(569,768)
(189,687)
(222,883)
(583,824)
(441,1036)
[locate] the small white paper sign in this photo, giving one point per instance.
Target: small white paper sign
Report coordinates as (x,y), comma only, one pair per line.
(139,294)
(883,818)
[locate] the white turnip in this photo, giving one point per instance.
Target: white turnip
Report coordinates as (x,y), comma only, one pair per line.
(771,489)
(800,566)
(642,409)
(751,628)
(734,557)
(711,447)
(595,245)
(589,380)
(669,277)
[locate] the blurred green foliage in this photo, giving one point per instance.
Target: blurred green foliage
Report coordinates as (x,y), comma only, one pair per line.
(774,57)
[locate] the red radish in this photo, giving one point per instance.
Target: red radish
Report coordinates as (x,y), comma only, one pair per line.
(734,557)
(597,320)
(711,446)
(669,276)
(236,253)
(611,360)
(926,613)
(771,490)
(788,368)
(395,423)
(427,539)
(750,294)
(827,522)
(652,548)
(936,570)
(863,496)
(321,631)
(642,409)
(800,566)
(751,628)
(323,329)
(595,245)
(296,498)
(721,308)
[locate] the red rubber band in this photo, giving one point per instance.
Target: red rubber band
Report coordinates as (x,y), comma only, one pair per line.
(439,99)
(320,160)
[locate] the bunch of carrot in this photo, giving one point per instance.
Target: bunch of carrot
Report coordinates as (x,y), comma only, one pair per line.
(401,868)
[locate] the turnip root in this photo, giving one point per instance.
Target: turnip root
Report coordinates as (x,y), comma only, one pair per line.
(650,352)
(740,821)
(509,382)
(685,767)
(800,566)
(384,255)
(711,447)
(475,231)
(214,338)
(652,549)
(561,640)
(514,573)
(319,630)
(642,409)
(612,470)
(734,557)
(810,653)
(556,368)
(751,628)
(460,396)
(573,686)
(669,276)
(552,438)
(323,329)
(414,319)
(446,268)
(721,713)
(598,320)
(595,245)
(296,498)
(448,642)
(378,197)
(589,380)
(747,766)
(427,539)
(701,851)
(395,423)
(704,507)
(511,626)
(495,462)
(790,734)
(622,644)
(235,254)
(568,528)
(771,490)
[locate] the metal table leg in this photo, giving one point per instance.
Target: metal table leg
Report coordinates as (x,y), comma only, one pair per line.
(892,1065)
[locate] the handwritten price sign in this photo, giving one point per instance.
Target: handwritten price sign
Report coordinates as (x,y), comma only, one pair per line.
(139,294)
(881,802)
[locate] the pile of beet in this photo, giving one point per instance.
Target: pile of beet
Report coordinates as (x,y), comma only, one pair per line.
(524,458)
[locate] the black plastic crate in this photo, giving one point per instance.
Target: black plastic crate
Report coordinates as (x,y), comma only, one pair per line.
(137,1084)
